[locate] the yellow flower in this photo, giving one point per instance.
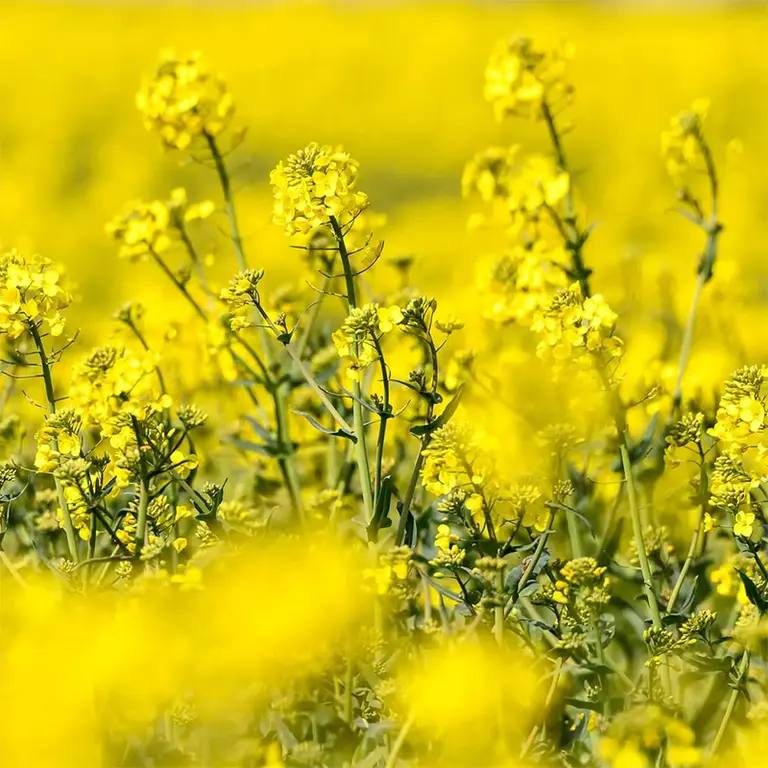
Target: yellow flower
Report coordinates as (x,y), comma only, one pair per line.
(312,186)
(185,101)
(520,79)
(180,544)
(743,524)
(30,293)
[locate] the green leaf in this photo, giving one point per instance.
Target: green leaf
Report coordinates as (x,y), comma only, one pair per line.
(320,428)
(381,513)
(753,593)
(265,449)
(576,513)
(421,430)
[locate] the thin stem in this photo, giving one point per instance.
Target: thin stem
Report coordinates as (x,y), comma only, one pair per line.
(229,205)
(706,265)
(8,563)
(692,549)
(141,516)
(175,280)
(638,534)
(409,494)
(361,449)
(575,240)
(348,682)
(405,512)
(399,741)
(743,672)
(498,611)
(69,528)
(383,419)
(307,374)
(533,562)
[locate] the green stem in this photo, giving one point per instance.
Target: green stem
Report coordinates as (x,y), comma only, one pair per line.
(286,460)
(348,682)
(706,265)
(69,528)
(383,419)
(141,516)
(743,671)
(361,449)
(498,611)
(409,494)
(574,239)
(638,534)
(229,205)
(399,741)
(692,549)
(540,544)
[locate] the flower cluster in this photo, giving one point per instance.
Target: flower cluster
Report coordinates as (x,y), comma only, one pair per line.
(152,228)
(741,414)
(521,281)
(31,295)
(681,143)
(312,186)
(573,327)
(241,295)
(582,584)
(184,101)
(358,339)
(520,189)
(456,461)
(521,79)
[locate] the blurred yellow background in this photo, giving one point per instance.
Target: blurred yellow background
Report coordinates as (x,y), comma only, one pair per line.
(400,86)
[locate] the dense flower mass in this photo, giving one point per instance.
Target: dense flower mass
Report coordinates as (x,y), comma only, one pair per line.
(31,295)
(154,227)
(512,525)
(184,101)
(521,79)
(572,327)
(312,186)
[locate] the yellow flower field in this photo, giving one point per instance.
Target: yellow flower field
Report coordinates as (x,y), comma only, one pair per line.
(384,385)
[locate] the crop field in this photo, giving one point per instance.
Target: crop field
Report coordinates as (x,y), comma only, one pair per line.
(384,385)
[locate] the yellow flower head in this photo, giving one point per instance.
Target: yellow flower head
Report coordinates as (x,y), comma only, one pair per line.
(312,186)
(681,143)
(521,80)
(31,294)
(185,101)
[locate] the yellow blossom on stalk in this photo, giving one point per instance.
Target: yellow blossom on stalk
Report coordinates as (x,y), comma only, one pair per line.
(457,459)
(184,100)
(241,296)
(358,337)
(313,185)
(520,78)
(114,380)
(522,281)
(146,228)
(520,189)
(681,143)
(741,411)
(744,523)
(58,440)
(575,328)
(30,292)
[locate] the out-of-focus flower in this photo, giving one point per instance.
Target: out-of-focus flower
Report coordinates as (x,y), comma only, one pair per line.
(184,100)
